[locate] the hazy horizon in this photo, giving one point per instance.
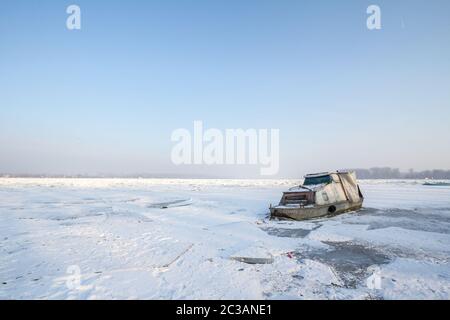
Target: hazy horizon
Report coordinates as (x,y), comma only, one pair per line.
(105,99)
(370,173)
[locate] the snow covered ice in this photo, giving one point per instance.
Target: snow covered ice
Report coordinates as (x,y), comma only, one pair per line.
(176,239)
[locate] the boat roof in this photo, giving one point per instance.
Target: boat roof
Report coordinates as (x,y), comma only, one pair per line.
(320,174)
(301,188)
(323,174)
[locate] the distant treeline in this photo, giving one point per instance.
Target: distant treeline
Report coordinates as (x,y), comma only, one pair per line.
(372,173)
(393,173)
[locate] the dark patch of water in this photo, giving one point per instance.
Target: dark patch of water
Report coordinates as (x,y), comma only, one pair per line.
(349,260)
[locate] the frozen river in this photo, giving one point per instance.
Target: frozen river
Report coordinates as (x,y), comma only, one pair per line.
(182,239)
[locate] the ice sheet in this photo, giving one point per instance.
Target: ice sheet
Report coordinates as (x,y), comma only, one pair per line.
(175,239)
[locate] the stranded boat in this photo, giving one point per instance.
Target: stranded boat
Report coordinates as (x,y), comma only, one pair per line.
(320,195)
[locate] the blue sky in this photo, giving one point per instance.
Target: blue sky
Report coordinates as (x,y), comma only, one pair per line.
(105,99)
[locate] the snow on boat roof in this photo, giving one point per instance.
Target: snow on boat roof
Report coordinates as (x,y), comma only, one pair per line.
(315,175)
(301,188)
(323,174)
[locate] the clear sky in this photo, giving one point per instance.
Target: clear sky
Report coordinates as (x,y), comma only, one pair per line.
(106,98)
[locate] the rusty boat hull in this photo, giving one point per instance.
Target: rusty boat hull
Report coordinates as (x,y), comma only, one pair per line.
(312,212)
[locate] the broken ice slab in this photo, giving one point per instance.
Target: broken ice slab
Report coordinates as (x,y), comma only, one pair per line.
(171,204)
(253,255)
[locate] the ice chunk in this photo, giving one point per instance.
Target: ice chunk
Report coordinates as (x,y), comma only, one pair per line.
(253,255)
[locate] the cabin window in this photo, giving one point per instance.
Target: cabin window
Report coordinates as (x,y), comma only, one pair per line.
(299,197)
(296,198)
(316,180)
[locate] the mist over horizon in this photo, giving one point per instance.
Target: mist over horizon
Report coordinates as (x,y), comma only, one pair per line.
(371,173)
